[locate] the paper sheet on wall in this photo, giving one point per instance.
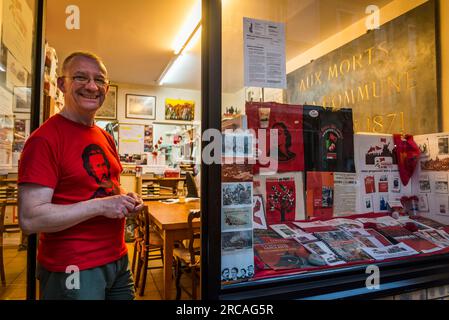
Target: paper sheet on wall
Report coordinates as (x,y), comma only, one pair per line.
(345,193)
(5,102)
(264,51)
(18,30)
(16,75)
(131,139)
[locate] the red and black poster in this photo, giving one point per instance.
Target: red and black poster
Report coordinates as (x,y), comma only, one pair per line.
(281,200)
(328,139)
(287,119)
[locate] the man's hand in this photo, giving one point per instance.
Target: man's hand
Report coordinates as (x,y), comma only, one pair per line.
(119,206)
(138,203)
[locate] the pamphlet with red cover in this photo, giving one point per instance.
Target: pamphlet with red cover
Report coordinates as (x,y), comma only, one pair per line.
(320,194)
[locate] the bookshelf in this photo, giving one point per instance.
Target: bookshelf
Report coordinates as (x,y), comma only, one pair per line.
(159,188)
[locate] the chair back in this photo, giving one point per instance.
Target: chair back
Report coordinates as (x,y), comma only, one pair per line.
(193,234)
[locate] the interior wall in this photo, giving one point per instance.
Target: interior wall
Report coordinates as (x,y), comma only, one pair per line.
(161,94)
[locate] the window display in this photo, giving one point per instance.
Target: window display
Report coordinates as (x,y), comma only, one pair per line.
(357,180)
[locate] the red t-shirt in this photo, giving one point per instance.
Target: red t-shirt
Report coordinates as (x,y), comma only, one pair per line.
(80,163)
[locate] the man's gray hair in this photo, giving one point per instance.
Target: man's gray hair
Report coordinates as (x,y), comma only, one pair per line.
(84,54)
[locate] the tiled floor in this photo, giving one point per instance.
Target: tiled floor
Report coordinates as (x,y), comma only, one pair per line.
(15,265)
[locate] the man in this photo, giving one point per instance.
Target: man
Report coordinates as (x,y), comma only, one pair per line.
(69,192)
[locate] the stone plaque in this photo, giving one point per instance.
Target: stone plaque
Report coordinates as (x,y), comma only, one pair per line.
(387,76)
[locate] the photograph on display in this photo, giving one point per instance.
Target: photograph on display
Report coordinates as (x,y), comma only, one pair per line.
(327,197)
(176,109)
(368,204)
(423,203)
(237,194)
(259,219)
(238,145)
(6,142)
(441,184)
(21,133)
(442,205)
(370,186)
(236,172)
(376,152)
(395,184)
(22,100)
(424,183)
(237,265)
(108,109)
(383,183)
(443,146)
(236,240)
(110,127)
(148,139)
(140,107)
(383,203)
(284,230)
(236,218)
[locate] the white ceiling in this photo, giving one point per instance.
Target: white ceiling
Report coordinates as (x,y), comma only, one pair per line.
(135,37)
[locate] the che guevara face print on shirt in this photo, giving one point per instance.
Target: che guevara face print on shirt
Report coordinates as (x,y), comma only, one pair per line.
(98,167)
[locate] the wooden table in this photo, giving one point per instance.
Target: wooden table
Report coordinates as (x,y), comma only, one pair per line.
(171,220)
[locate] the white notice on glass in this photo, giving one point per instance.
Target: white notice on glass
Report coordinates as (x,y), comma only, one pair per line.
(345,193)
(264,43)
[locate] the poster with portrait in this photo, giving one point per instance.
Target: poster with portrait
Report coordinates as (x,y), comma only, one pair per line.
(285,122)
(237,266)
(176,109)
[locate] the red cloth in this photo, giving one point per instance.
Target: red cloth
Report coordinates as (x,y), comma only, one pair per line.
(407,153)
(287,119)
(53,157)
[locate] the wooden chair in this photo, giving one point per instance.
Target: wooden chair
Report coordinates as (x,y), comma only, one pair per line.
(187,259)
(148,245)
(8,197)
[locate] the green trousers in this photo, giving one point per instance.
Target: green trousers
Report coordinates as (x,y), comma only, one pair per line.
(112,281)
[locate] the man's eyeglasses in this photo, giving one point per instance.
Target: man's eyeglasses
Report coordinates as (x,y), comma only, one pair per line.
(99,82)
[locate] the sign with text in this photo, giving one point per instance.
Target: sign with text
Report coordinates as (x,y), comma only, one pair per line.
(387,76)
(264,43)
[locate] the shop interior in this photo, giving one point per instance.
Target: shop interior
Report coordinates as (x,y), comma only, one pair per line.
(152,50)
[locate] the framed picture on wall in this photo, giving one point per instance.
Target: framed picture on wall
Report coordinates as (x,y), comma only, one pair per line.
(176,109)
(109,108)
(140,107)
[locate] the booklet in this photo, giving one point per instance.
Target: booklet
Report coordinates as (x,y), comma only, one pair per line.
(393,251)
(321,249)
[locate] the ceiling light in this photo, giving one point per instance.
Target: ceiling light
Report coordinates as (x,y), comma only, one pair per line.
(186,39)
(189,27)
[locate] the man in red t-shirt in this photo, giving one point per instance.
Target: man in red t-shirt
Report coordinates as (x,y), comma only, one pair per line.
(69,193)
